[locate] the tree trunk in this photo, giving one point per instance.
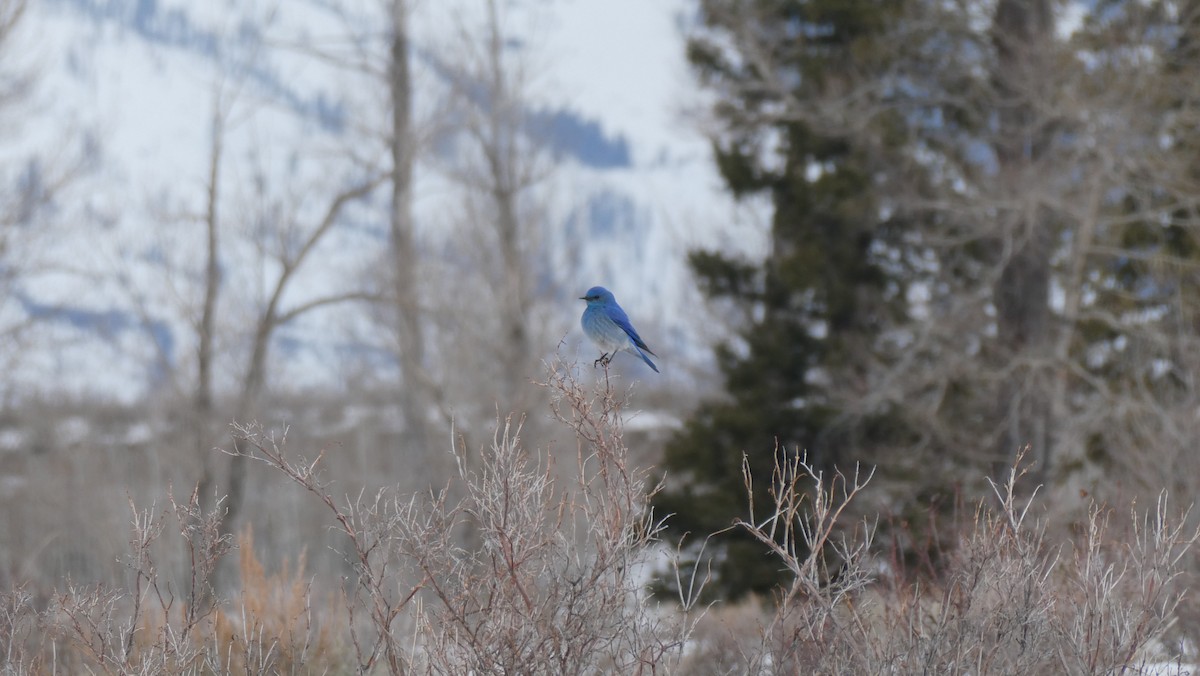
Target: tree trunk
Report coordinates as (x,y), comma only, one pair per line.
(415,393)
(201,418)
(202,401)
(1022,291)
(504,164)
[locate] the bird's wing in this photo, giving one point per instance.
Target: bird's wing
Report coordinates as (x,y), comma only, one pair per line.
(620,319)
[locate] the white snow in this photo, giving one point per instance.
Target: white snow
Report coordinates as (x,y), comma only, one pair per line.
(129,239)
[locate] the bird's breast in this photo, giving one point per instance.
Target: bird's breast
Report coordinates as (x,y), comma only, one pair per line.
(603,331)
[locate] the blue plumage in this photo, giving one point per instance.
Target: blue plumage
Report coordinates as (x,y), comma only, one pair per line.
(609,328)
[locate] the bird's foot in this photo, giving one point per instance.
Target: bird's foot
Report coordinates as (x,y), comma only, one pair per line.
(602,361)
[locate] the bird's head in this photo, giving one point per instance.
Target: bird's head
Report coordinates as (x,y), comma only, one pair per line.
(597,294)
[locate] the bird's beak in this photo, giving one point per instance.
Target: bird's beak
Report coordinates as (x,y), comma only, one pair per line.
(583,298)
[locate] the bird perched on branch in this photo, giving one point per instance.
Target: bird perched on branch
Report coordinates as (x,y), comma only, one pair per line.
(608,327)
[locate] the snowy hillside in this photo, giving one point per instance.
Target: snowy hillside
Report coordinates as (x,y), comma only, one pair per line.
(132,86)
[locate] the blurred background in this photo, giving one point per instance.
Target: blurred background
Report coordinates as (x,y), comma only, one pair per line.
(918,235)
(366,220)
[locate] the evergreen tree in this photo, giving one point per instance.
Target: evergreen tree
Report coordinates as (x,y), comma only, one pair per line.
(1039,188)
(816,305)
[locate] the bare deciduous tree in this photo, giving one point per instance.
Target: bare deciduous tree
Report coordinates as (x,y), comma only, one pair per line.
(499,163)
(33,180)
(273,233)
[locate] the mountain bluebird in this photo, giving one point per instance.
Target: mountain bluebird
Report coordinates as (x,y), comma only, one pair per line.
(607,325)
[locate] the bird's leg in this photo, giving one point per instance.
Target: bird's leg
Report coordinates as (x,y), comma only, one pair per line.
(603,360)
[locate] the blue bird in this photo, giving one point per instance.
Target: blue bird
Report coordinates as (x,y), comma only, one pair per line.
(607,325)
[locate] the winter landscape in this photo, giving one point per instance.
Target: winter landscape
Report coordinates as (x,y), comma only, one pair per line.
(294,379)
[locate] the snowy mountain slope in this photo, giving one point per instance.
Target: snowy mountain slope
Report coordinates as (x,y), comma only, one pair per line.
(137,84)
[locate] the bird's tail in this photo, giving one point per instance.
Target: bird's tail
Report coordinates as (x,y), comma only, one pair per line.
(646,359)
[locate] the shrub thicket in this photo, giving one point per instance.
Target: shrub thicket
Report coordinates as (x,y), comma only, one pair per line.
(533,569)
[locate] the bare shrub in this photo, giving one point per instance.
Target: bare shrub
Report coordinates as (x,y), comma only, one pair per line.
(1009,598)
(520,575)
(156,626)
(1016,601)
(534,569)
(19,632)
(1125,593)
(153,626)
(814,619)
(369,523)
